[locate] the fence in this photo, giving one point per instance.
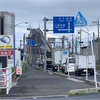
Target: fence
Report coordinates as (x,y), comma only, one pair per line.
(6,78)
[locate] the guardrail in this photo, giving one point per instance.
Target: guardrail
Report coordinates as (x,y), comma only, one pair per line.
(6,78)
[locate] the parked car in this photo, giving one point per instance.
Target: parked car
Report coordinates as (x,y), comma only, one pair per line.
(56,68)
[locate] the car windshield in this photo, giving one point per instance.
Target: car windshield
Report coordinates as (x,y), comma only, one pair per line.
(72,60)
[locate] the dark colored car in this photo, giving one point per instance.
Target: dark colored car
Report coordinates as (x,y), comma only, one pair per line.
(56,68)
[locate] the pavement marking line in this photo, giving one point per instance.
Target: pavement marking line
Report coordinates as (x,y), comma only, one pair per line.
(14,83)
(49,96)
(34,97)
(79,77)
(97,73)
(75,80)
(50,72)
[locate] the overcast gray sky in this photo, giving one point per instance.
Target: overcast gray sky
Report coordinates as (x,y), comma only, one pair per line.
(33,11)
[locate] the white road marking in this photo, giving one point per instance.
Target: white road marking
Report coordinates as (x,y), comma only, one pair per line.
(50,96)
(75,80)
(97,73)
(50,72)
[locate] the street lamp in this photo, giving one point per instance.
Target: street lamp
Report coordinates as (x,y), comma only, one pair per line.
(14,38)
(21,23)
(87,58)
(17,25)
(95,78)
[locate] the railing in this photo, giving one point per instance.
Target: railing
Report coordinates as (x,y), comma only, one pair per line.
(6,78)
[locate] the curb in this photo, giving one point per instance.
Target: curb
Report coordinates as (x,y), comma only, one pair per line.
(91,82)
(60,74)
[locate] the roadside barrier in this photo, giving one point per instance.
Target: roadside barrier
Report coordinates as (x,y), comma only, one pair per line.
(6,78)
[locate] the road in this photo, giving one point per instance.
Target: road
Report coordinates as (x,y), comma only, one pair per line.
(91,77)
(83,97)
(38,83)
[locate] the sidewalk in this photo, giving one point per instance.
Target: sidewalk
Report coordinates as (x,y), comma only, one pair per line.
(38,83)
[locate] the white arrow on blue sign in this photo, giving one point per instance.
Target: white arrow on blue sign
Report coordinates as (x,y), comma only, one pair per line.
(63,24)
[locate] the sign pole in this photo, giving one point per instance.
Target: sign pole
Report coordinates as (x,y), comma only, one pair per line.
(24,44)
(45,50)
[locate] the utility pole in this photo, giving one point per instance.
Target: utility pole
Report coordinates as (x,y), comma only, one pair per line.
(63,39)
(24,44)
(97,22)
(68,47)
(93,36)
(72,45)
(24,41)
(98,26)
(76,45)
(45,49)
(79,32)
(20,44)
(98,40)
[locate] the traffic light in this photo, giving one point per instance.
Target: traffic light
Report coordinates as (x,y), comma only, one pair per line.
(78,42)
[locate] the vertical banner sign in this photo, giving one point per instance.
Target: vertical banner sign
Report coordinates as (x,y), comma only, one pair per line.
(4,78)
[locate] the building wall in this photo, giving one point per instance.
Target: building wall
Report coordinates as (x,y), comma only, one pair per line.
(96,43)
(97,51)
(7,23)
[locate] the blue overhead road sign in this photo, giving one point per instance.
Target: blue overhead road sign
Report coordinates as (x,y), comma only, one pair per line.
(31,42)
(80,20)
(63,24)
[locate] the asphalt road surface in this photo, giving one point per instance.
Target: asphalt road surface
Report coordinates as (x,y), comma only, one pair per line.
(39,83)
(83,97)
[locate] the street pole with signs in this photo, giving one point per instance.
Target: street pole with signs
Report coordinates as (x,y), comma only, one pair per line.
(61,24)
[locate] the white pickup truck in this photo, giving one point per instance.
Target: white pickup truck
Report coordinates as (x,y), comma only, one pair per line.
(69,65)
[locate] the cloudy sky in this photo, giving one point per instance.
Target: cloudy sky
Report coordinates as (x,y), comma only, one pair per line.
(33,11)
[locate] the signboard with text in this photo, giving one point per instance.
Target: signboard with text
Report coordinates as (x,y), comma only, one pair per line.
(31,42)
(6,42)
(6,52)
(63,24)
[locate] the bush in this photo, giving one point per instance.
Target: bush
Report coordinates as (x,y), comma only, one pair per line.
(2,91)
(39,68)
(82,91)
(98,67)
(24,68)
